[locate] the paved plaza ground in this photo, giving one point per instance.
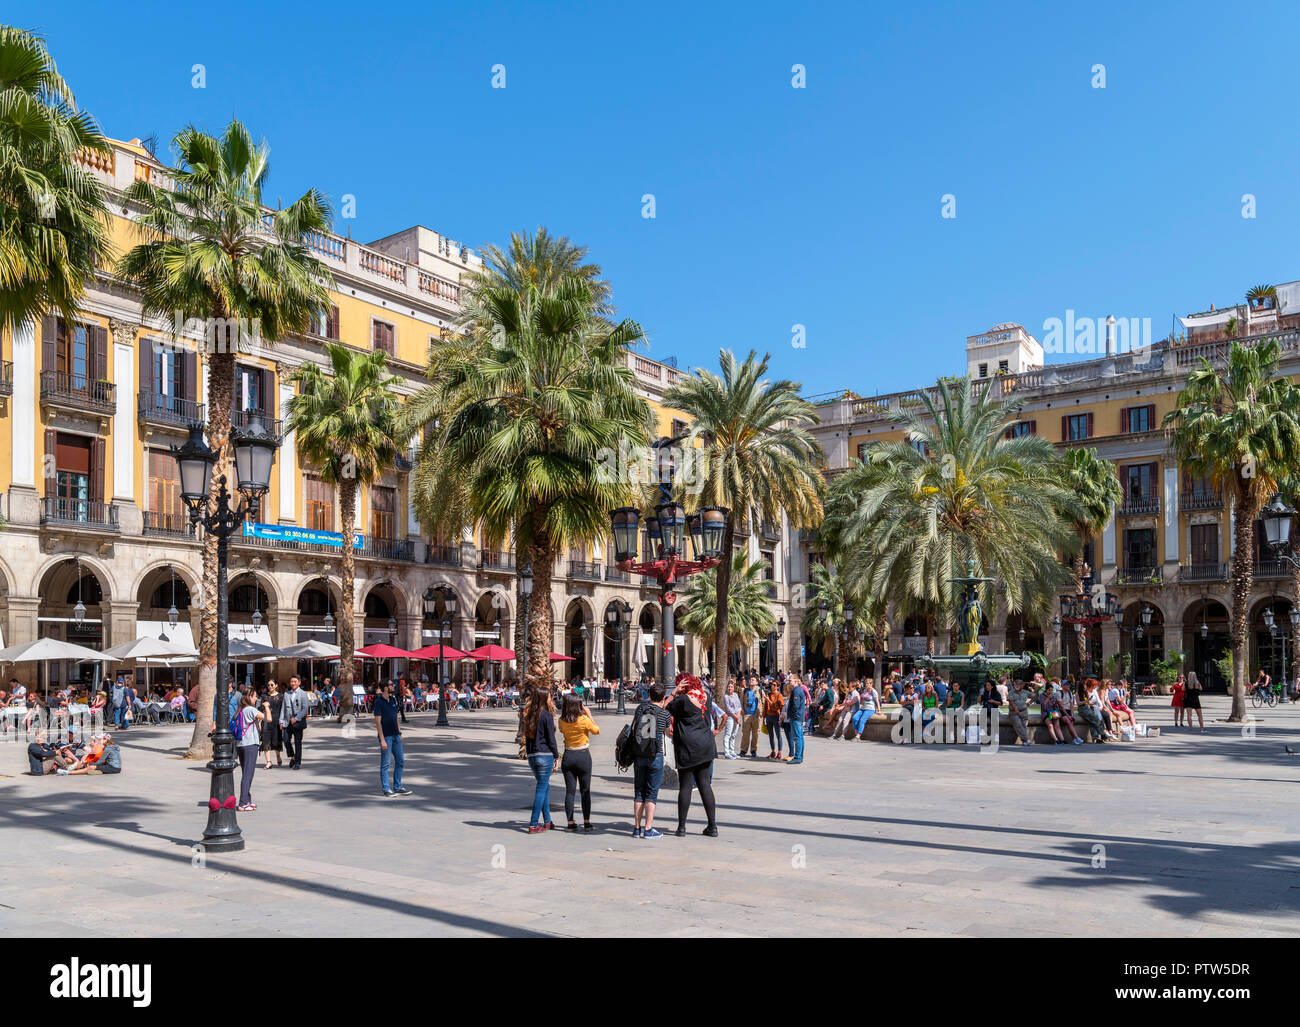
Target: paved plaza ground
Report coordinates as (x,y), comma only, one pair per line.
(1187,834)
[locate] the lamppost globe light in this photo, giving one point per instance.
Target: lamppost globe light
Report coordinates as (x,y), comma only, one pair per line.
(173,616)
(1146,614)
(526,579)
(79,613)
(195,461)
(1294,618)
(329,620)
(1277,523)
(257,617)
(254,454)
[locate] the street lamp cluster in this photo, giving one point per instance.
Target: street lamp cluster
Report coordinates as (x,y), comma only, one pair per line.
(667,529)
(448,597)
(254,448)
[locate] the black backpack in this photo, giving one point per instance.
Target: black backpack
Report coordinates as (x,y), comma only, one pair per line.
(624,757)
(645,734)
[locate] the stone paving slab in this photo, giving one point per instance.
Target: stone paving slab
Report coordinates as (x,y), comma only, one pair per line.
(1192,835)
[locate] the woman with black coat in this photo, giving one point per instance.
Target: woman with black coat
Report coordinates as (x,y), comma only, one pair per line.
(694,747)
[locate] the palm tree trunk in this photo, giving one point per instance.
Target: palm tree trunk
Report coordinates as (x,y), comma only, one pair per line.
(347,607)
(722,619)
(1243,580)
(542,556)
(929,633)
(1080,638)
(878,672)
(221,384)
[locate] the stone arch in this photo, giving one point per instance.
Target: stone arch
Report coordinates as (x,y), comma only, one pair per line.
(91,563)
(193,578)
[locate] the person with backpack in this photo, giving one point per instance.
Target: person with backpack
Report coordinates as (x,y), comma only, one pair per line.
(117,703)
(248,742)
(650,723)
(693,745)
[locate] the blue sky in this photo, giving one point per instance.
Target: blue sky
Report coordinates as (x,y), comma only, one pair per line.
(775,206)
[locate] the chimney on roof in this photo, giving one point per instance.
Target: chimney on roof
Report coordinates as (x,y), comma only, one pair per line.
(1110,335)
(1211,306)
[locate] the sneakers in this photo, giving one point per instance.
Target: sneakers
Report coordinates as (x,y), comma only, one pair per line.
(537,829)
(1078,741)
(654,832)
(638,833)
(248,807)
(388,794)
(60,770)
(572,827)
(405,791)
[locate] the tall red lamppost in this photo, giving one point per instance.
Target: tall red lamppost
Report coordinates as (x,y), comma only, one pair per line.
(666,563)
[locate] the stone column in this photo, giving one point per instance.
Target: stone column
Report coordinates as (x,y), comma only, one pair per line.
(119,618)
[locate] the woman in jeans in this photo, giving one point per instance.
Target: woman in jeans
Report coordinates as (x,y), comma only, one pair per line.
(577,727)
(773,704)
(694,748)
(249,744)
(539,743)
(731,708)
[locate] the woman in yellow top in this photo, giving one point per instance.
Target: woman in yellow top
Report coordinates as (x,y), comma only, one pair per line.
(577,725)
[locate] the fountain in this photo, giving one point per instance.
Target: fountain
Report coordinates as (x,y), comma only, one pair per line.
(970,666)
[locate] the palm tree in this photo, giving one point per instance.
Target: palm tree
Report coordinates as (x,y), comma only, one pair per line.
(53,223)
(750,616)
(831,588)
(1095,487)
(344,423)
(516,434)
(532,260)
(759,458)
(1240,427)
(211,251)
(956,489)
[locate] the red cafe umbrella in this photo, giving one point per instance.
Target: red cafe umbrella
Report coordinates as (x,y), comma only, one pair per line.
(557,658)
(431,652)
(382,651)
(491,652)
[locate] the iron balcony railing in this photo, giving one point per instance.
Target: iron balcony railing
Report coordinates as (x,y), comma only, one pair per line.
(1140,576)
(494,560)
(445,556)
(245,418)
(1191,572)
(6,378)
(1137,505)
(168,525)
(87,513)
(1199,500)
(587,569)
(78,390)
(614,574)
(161,408)
(387,549)
(1270,568)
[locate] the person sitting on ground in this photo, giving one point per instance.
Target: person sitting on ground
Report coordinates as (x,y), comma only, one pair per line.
(102,756)
(43,758)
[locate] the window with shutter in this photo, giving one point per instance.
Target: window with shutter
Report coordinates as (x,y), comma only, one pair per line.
(383,512)
(1204,545)
(318,503)
(332,324)
(1075,427)
(382,337)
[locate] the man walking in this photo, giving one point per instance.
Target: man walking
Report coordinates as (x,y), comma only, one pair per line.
(293,720)
(753,717)
(390,740)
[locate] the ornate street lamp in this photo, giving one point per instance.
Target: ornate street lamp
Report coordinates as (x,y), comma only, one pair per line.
(430,599)
(173,614)
(666,531)
(254,454)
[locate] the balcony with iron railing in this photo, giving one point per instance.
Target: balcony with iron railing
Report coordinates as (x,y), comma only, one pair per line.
(1137,576)
(82,514)
(1135,505)
(243,419)
(6,378)
(442,556)
(497,561)
(1190,573)
(397,549)
(613,574)
(1272,568)
(174,411)
(169,525)
(585,569)
(1198,499)
(78,392)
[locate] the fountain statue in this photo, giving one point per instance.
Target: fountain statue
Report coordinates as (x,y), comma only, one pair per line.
(970,666)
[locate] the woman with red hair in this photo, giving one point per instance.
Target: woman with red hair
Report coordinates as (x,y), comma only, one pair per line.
(694,747)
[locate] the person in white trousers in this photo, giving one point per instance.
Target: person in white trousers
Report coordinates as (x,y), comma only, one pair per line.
(731,709)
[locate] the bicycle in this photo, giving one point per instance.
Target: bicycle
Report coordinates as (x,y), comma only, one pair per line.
(1270,698)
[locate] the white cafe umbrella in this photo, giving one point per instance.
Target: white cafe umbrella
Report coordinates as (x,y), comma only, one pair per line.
(311,651)
(638,652)
(149,650)
(42,650)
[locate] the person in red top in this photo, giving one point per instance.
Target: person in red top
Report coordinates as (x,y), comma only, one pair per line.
(1180,686)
